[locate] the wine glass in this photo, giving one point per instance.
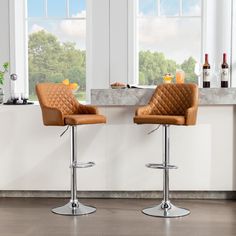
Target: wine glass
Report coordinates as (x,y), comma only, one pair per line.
(24,97)
(15,96)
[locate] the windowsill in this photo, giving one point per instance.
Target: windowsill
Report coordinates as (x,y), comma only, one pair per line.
(36,103)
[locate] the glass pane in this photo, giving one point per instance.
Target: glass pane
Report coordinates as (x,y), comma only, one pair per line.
(77,8)
(35,8)
(192,7)
(82,5)
(162,51)
(147,7)
(169,7)
(57,51)
(56,8)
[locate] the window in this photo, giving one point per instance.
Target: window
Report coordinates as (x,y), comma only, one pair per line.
(56,43)
(169,38)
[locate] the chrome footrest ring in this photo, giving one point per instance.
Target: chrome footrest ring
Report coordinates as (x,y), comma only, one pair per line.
(82,165)
(161,166)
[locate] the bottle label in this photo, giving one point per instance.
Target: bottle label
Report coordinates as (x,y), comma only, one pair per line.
(225,74)
(206,75)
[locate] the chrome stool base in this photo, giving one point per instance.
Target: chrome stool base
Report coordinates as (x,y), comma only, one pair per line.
(78,210)
(170,211)
(74,207)
(165,209)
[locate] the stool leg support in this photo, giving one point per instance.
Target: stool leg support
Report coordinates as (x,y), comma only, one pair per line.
(166,154)
(166,209)
(74,207)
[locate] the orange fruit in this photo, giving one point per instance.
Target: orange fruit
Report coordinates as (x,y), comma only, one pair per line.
(73,86)
(66,82)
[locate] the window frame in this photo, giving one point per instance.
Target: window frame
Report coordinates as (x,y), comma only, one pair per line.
(133,36)
(18,45)
(18,21)
(208,13)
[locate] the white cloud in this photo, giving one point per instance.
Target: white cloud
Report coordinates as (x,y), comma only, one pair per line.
(74,28)
(81,14)
(176,38)
(194,10)
(36,28)
(65,30)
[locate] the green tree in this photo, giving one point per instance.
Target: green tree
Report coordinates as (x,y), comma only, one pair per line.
(53,61)
(188,67)
(153,66)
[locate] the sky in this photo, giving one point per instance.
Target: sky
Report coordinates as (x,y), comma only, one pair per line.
(176,38)
(56,8)
(65,30)
(169,7)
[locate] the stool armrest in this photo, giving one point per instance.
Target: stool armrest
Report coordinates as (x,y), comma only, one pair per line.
(87,109)
(145,110)
(191,115)
(52,116)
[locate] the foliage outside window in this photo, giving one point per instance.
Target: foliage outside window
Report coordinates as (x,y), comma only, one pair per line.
(56,44)
(169,39)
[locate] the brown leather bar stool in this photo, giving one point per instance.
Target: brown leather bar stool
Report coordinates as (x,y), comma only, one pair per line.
(61,108)
(171,104)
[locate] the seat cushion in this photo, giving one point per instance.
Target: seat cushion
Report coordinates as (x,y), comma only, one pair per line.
(159,119)
(84,119)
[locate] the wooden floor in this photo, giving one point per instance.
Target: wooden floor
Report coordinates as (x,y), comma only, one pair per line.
(115,217)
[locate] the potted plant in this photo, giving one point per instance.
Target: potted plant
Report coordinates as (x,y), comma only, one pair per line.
(5,67)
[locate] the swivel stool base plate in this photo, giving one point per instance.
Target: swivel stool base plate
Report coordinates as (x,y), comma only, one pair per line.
(79,210)
(171,212)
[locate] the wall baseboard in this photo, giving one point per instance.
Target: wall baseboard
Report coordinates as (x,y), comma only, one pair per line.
(224,195)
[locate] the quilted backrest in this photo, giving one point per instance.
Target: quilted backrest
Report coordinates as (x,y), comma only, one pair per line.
(57,96)
(173,99)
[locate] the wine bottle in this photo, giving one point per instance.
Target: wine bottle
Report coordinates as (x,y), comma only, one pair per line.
(206,73)
(224,73)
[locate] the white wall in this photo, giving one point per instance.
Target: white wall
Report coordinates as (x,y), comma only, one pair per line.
(98,44)
(118,41)
(107,43)
(34,157)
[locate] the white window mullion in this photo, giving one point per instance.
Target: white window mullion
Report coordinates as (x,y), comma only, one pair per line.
(46,8)
(158,7)
(67,9)
(180,7)
(133,42)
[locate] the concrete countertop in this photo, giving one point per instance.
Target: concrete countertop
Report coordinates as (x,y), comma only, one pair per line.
(139,97)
